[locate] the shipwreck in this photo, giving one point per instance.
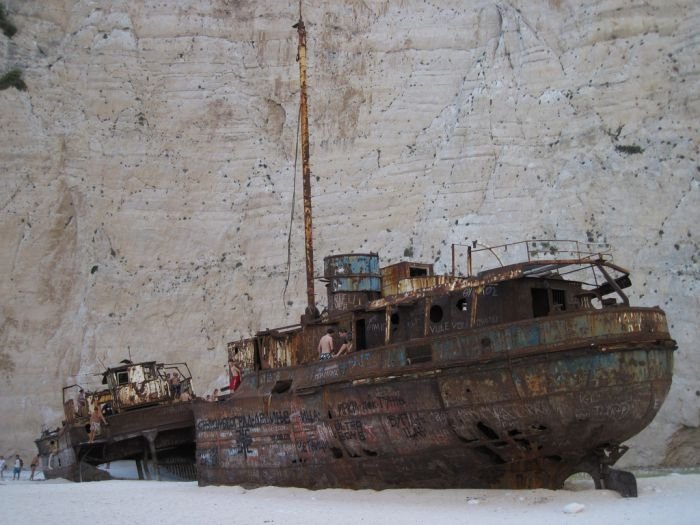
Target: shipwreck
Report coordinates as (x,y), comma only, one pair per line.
(146,421)
(522,366)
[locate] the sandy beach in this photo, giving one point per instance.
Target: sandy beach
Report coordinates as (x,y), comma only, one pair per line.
(669,498)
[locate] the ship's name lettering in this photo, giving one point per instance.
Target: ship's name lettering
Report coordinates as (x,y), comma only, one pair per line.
(247,421)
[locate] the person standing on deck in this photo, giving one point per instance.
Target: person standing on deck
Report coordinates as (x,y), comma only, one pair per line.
(95,419)
(325,345)
(81,403)
(234,375)
(176,385)
(346,340)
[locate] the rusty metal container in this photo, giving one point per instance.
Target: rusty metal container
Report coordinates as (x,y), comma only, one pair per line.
(405,276)
(352,280)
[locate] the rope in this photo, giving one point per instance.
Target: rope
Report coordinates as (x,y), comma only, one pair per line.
(291,218)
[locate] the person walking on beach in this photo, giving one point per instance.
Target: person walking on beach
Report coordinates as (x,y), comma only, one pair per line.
(34,464)
(18,467)
(3,466)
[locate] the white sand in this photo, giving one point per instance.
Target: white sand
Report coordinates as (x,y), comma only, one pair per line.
(665,499)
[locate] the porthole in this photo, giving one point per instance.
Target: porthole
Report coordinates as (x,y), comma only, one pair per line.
(462,305)
(436,313)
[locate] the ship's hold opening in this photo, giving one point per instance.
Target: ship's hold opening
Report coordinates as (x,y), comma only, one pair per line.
(282,386)
(435,313)
(418,354)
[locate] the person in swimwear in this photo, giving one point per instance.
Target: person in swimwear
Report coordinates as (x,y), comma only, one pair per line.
(234,375)
(96,418)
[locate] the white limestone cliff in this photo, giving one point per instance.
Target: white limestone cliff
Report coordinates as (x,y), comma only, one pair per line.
(148,169)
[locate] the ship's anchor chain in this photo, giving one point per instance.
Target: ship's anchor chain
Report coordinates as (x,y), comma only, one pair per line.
(606,477)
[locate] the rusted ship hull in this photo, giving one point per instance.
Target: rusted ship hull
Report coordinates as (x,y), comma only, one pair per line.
(518,405)
(164,433)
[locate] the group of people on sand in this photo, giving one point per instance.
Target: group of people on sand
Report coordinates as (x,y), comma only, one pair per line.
(326,344)
(17,466)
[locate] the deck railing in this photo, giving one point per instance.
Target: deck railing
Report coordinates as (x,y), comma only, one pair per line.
(481,256)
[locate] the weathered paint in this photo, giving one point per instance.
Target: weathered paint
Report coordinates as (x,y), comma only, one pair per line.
(404,277)
(351,280)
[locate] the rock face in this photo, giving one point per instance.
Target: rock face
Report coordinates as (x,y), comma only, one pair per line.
(148,170)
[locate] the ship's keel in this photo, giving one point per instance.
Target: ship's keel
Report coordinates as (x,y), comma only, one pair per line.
(599,466)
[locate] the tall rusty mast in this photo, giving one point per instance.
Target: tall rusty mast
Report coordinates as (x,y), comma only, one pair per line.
(311,310)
